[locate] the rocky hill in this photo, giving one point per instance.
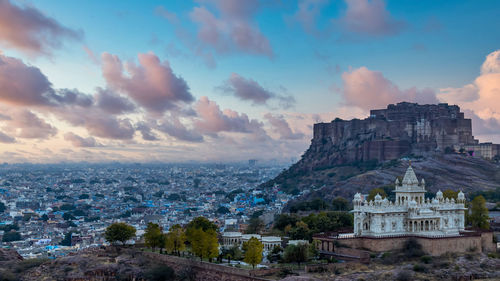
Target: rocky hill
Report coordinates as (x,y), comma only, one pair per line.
(357,155)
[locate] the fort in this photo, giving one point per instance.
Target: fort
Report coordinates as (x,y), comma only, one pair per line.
(400,129)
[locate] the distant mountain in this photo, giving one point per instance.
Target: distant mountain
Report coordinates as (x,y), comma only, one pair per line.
(357,155)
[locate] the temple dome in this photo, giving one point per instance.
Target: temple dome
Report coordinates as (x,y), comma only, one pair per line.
(378,197)
(461,196)
(357,197)
(439,195)
(410,178)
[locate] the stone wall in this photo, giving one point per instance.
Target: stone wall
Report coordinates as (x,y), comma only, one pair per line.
(205,271)
(482,242)
(390,133)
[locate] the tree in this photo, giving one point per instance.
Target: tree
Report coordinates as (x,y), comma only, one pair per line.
(211,247)
(223,210)
(204,244)
(297,253)
(11,236)
(300,231)
(67,239)
(45,217)
(479,213)
(233,253)
(255,225)
(2,207)
(275,254)
(153,236)
(450,194)
(374,192)
(253,251)
(119,232)
(340,204)
(68,216)
(199,222)
(175,239)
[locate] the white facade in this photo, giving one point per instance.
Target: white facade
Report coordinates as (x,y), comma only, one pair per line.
(230,239)
(410,214)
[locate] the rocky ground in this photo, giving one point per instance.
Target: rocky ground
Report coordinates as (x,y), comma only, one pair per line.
(131,264)
(440,171)
(448,267)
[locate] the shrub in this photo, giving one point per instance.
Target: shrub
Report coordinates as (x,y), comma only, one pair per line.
(160,273)
(493,255)
(419,268)
(412,249)
(426,259)
(404,275)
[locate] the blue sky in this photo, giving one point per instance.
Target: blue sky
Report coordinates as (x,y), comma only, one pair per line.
(431,45)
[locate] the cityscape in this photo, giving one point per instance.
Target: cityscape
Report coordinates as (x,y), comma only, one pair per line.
(249,140)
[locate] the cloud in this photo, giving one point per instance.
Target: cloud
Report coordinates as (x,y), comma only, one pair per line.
(91,55)
(21,84)
(146,132)
(282,127)
(492,63)
(29,30)
(164,13)
(78,141)
(483,95)
(6,139)
(250,90)
(24,85)
(25,124)
(369,18)
(112,103)
(233,30)
(213,120)
(368,89)
(151,84)
(307,14)
(176,129)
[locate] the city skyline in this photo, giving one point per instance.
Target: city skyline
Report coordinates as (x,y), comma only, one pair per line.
(225,81)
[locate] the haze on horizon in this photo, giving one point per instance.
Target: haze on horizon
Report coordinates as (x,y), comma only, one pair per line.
(228,80)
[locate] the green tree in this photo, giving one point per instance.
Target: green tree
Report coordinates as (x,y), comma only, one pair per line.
(450,194)
(45,217)
(275,254)
(153,236)
(479,213)
(255,225)
(68,217)
(11,236)
(175,241)
(211,247)
(223,210)
(199,222)
(2,207)
(340,204)
(297,253)
(233,253)
(67,239)
(374,192)
(119,232)
(253,251)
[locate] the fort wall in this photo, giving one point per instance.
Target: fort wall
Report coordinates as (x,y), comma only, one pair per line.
(435,246)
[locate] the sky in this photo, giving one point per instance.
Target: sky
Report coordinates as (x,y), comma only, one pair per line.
(230,80)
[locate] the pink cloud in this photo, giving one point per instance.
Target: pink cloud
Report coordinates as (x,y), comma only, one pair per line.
(27,29)
(6,139)
(368,89)
(281,126)
(112,102)
(249,89)
(176,129)
(233,30)
(25,124)
(307,14)
(483,95)
(369,17)
(78,141)
(151,84)
(213,120)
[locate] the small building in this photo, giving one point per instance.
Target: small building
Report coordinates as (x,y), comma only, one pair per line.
(230,239)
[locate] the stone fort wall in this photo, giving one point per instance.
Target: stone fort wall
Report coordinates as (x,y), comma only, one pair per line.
(204,271)
(482,242)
